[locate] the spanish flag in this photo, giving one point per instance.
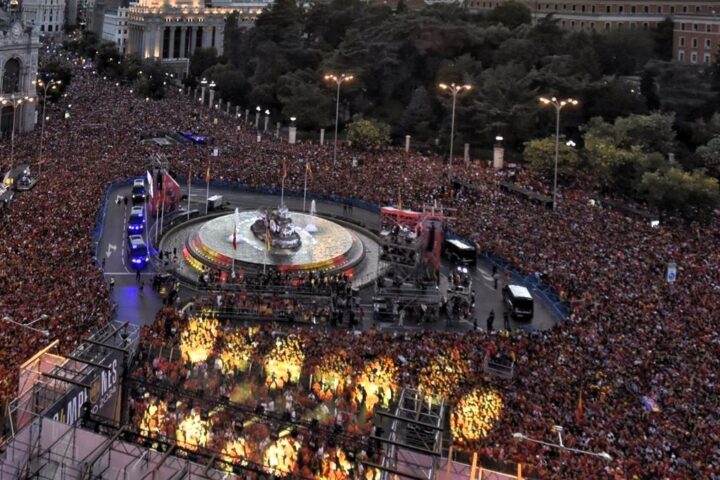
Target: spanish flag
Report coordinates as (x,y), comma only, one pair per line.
(268,237)
(207,175)
(308,170)
(579,411)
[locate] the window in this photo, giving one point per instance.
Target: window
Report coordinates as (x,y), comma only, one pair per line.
(619,26)
(659,9)
(672,9)
(693,57)
(592,8)
(681,41)
(632,9)
(607,9)
(695,27)
(684,8)
(697,9)
(607,25)
(707,43)
(572,25)
(681,56)
(42,28)
(620,9)
(694,43)
(706,59)
(682,26)
(646,9)
(645,26)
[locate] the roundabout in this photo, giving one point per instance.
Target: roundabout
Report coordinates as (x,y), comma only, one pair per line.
(331,247)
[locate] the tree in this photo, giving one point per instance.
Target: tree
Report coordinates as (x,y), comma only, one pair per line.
(151,84)
(539,155)
(692,195)
(710,156)
(301,96)
(201,60)
(648,88)
(418,115)
(624,52)
(366,134)
(653,133)
(511,13)
(663,36)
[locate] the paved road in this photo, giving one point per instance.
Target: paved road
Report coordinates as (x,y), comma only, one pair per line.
(141,309)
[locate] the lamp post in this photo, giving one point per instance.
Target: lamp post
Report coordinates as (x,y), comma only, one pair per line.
(560,445)
(454,90)
(257,117)
(45,86)
(267,119)
(338,79)
(559,105)
(212,94)
(15,102)
(46,333)
(203,84)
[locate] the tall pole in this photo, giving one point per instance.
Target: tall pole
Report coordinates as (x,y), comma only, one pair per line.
(305,189)
(188,194)
(337,119)
(207,192)
(42,131)
(557,153)
(452,130)
(12,135)
(559,104)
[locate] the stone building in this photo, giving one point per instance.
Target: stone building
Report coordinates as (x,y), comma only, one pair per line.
(19,46)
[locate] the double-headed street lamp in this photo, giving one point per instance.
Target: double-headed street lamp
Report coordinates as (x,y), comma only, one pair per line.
(560,445)
(559,105)
(454,90)
(15,102)
(44,86)
(339,80)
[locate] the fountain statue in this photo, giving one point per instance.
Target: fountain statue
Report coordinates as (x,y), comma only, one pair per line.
(278,224)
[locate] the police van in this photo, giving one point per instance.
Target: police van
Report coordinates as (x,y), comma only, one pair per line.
(136,222)
(518,302)
(138,191)
(137,251)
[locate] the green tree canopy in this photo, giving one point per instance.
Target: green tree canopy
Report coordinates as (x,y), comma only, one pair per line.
(690,194)
(366,134)
(511,13)
(539,156)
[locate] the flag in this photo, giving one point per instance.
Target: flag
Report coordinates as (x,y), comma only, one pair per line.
(579,411)
(207,175)
(284,169)
(308,170)
(399,203)
(268,237)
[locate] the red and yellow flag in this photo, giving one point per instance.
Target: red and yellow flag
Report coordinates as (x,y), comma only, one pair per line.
(308,170)
(207,175)
(268,237)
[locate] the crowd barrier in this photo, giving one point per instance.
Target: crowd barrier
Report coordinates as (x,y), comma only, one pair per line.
(545,293)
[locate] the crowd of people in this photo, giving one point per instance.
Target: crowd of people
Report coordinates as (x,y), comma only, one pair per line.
(630,334)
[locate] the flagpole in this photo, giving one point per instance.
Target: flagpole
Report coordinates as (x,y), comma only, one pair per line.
(305,192)
(162,212)
(207,189)
(188,194)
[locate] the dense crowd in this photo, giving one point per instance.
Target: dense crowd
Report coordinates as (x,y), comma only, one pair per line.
(630,335)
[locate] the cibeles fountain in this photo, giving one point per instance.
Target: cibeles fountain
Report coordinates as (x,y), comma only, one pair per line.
(273,238)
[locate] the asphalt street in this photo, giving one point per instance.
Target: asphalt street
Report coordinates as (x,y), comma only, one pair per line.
(140,308)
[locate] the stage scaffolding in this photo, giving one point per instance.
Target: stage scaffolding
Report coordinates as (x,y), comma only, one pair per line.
(50,378)
(411,437)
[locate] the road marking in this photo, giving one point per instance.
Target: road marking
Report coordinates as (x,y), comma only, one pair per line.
(110,250)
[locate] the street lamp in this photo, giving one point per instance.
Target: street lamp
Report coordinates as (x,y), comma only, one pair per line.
(454,90)
(45,86)
(28,327)
(559,105)
(570,144)
(257,116)
(343,77)
(267,119)
(15,102)
(203,84)
(560,445)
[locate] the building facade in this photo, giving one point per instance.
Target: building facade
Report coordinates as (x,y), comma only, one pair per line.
(48,16)
(115,28)
(19,46)
(170,31)
(696,24)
